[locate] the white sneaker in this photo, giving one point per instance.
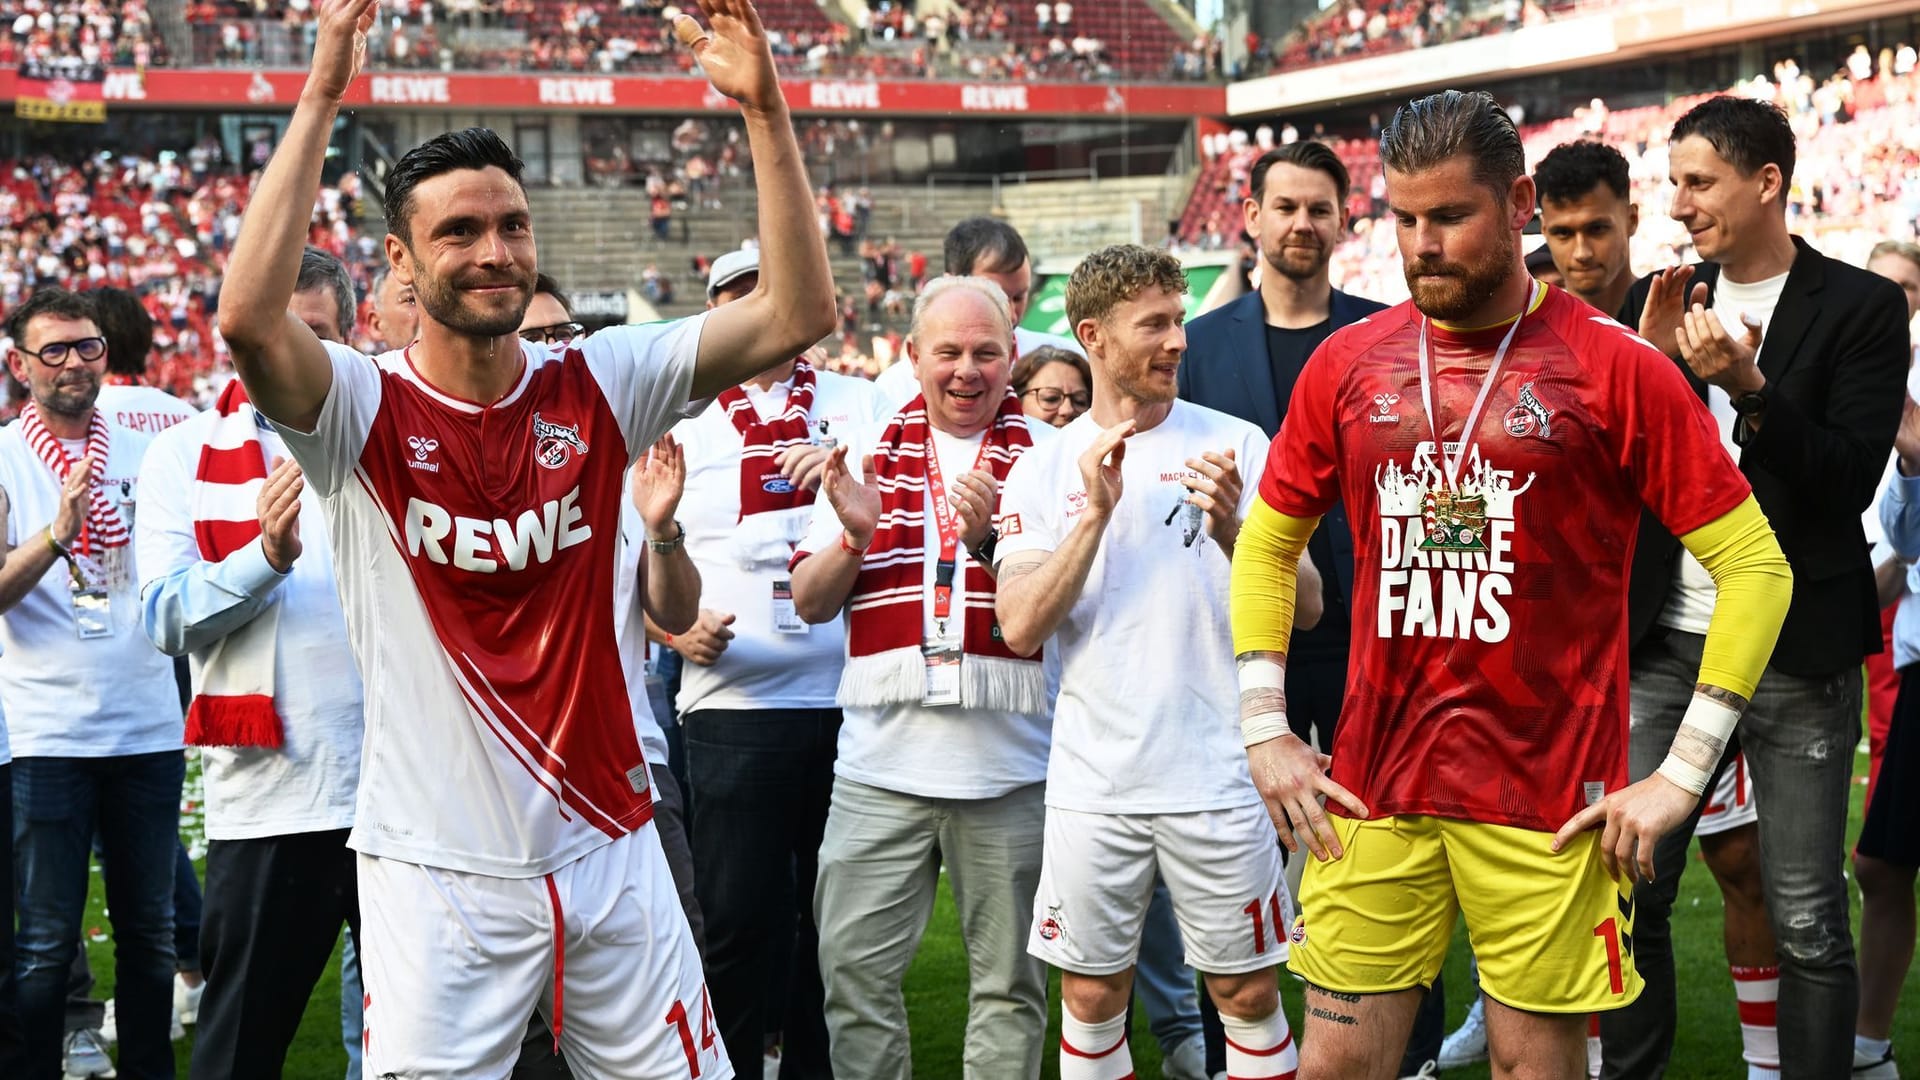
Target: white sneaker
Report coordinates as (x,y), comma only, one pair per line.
(1468,1043)
(86,1056)
(1188,1061)
(186,1001)
(110,1024)
(1866,1068)
(1428,1071)
(770,1065)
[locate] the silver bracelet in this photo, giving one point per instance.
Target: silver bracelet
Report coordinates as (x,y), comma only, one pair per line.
(668,547)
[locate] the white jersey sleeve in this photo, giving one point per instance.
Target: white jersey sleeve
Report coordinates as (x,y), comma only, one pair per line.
(1026,522)
(327,453)
(646,372)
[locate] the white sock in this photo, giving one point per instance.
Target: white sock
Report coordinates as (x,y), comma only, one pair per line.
(1874,1049)
(1094,1051)
(1593,1046)
(1758,991)
(1260,1049)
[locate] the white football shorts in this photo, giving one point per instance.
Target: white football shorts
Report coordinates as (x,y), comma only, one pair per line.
(1731,805)
(1222,868)
(454,963)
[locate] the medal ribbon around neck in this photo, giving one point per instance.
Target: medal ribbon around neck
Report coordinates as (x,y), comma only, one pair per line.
(1450,464)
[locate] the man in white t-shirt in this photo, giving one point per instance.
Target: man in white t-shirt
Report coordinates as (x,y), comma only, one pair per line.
(474,485)
(92,711)
(1147,772)
(989,248)
(943,748)
(124,397)
(757,695)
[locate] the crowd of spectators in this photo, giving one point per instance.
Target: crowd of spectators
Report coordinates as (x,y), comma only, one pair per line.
(1857,180)
(90,31)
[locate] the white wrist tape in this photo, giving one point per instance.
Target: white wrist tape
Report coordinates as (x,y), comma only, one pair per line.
(1710,718)
(1267,725)
(1263,675)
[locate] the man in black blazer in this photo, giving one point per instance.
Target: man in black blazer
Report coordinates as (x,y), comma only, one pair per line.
(1803,361)
(1242,359)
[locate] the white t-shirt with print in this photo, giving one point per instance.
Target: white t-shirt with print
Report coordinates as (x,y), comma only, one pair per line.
(64,695)
(1148,717)
(762,668)
(145,409)
(937,752)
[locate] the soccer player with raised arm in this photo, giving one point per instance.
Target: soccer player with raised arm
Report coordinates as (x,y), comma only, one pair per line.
(1494,441)
(473,483)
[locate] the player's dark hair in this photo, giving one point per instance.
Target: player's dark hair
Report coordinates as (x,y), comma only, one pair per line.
(543,283)
(321,269)
(982,243)
(128,328)
(52,300)
(1747,134)
(1305,154)
(1439,127)
(1571,170)
(468,148)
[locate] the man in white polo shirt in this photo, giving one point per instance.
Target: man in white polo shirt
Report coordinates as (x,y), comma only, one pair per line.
(92,710)
(944,748)
(757,694)
(231,580)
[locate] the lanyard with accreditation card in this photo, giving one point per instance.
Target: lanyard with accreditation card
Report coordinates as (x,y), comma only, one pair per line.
(943,654)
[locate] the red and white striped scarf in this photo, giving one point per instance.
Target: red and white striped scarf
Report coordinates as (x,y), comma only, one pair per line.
(762,488)
(233,677)
(104,527)
(886,612)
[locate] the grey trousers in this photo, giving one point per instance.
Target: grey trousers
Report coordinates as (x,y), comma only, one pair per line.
(879,869)
(1799,737)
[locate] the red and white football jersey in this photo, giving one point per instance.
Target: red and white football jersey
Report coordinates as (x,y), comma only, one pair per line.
(475,547)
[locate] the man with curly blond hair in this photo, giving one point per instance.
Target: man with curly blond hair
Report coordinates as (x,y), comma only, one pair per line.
(1147,774)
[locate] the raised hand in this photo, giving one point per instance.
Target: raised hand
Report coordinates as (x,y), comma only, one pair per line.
(1716,357)
(340,45)
(1100,467)
(855,502)
(75,491)
(659,480)
(1217,492)
(279,508)
(803,464)
(973,495)
(1667,308)
(734,54)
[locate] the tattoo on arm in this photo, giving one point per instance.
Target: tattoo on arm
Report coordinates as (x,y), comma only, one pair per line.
(1018,566)
(1723,696)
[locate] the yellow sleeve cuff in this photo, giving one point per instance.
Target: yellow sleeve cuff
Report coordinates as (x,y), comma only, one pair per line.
(1753,586)
(1266,571)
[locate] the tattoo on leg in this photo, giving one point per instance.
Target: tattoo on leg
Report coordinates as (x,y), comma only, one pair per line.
(1334,1017)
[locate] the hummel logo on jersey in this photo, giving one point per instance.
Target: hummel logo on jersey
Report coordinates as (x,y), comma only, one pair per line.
(1528,416)
(1384,403)
(422,447)
(484,546)
(553,444)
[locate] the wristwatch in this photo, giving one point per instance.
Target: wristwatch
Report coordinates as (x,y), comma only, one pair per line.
(983,551)
(1751,403)
(668,547)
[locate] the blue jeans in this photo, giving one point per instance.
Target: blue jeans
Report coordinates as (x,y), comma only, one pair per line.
(10,1044)
(353,1019)
(134,804)
(1798,736)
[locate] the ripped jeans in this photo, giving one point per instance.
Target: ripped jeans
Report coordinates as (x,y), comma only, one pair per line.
(1799,736)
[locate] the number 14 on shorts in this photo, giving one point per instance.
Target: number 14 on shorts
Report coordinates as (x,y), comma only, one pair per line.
(677,1016)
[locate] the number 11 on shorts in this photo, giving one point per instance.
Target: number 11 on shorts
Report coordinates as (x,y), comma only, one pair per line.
(677,1016)
(1609,931)
(1259,929)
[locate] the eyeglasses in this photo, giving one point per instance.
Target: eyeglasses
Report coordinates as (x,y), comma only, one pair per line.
(56,353)
(1050,397)
(558,334)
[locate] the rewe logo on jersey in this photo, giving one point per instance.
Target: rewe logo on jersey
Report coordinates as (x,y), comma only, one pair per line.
(1446,557)
(554,445)
(487,546)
